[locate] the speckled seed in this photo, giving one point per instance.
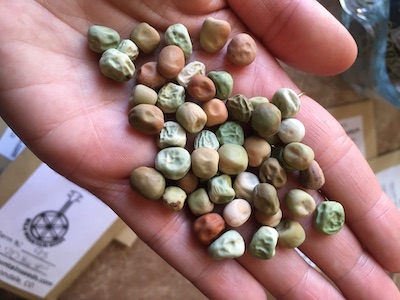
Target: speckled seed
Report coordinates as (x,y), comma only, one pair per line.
(129,48)
(146,118)
(116,65)
(242,49)
(148,182)
(191,116)
(330,217)
(232,159)
(220,189)
(148,75)
(230,132)
(191,69)
(206,139)
(142,94)
(313,177)
(291,130)
(266,119)
(228,245)
(291,233)
(214,34)
(199,202)
(272,172)
(177,34)
(236,212)
(300,203)
(298,156)
(239,108)
(244,185)
(145,37)
(265,198)
(267,220)
(170,97)
(172,135)
(174,198)
(101,38)
(189,182)
(170,61)
(205,162)
(264,242)
(258,149)
(216,112)
(208,227)
(255,101)
(287,101)
(201,88)
(173,162)
(223,84)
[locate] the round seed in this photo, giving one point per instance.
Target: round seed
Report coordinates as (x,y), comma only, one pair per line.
(214,34)
(265,199)
(170,61)
(223,83)
(208,227)
(201,88)
(239,108)
(173,162)
(142,94)
(330,217)
(291,130)
(255,101)
(297,156)
(216,112)
(146,118)
(264,242)
(199,202)
(236,212)
(244,185)
(258,149)
(266,119)
(205,162)
(174,198)
(313,177)
(242,49)
(191,116)
(145,37)
(287,101)
(228,245)
(148,182)
(272,172)
(149,76)
(300,203)
(188,183)
(291,233)
(232,159)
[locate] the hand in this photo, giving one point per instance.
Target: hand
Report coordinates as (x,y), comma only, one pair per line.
(75,120)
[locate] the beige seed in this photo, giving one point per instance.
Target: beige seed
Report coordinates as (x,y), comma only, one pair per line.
(145,37)
(242,49)
(205,162)
(214,34)
(237,212)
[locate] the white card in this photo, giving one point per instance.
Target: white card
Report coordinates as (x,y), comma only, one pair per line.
(355,130)
(390,182)
(10,145)
(46,227)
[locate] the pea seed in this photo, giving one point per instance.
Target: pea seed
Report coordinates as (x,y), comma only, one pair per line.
(170,61)
(148,182)
(145,37)
(101,38)
(300,203)
(291,233)
(313,177)
(206,139)
(230,133)
(258,149)
(268,220)
(232,159)
(220,189)
(223,82)
(264,242)
(236,212)
(330,217)
(242,49)
(172,135)
(287,101)
(239,108)
(191,116)
(291,130)
(149,76)
(116,65)
(272,172)
(142,94)
(129,48)
(298,156)
(255,101)
(201,88)
(228,245)
(265,199)
(216,112)
(173,162)
(208,227)
(244,185)
(178,35)
(199,202)
(205,162)
(146,118)
(189,182)
(266,119)
(189,71)
(174,198)
(214,34)
(170,97)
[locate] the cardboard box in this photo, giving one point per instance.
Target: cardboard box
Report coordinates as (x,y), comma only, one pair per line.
(50,229)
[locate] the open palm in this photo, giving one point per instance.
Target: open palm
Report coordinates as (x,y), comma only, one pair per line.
(54,97)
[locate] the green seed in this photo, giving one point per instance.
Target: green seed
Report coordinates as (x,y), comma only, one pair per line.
(300,203)
(178,35)
(223,83)
(291,233)
(239,108)
(206,139)
(266,119)
(233,159)
(172,134)
(199,202)
(330,217)
(173,162)
(230,133)
(287,101)
(264,242)
(101,38)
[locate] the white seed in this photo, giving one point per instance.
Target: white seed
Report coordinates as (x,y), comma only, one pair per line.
(291,130)
(244,185)
(237,212)
(188,71)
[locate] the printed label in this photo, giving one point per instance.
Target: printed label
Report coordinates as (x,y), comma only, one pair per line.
(45,229)
(390,182)
(355,130)
(10,145)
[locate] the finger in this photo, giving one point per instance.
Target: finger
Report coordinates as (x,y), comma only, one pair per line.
(170,235)
(301,33)
(370,214)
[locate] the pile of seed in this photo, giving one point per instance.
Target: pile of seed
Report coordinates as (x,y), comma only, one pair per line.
(224,155)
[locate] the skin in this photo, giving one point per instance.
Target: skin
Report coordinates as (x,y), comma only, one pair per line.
(74,119)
